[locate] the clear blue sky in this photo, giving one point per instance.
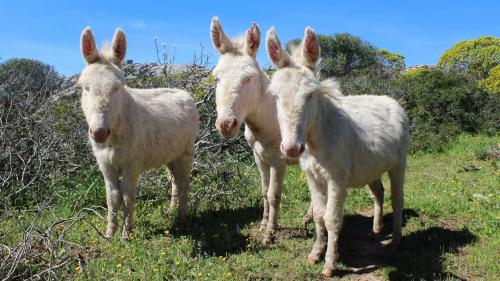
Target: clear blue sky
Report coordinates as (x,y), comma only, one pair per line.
(419,30)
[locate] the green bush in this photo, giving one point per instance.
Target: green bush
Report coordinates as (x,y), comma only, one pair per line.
(441,105)
(42,135)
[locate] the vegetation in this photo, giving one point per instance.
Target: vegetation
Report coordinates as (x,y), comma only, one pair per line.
(442,105)
(477,57)
(52,202)
(492,83)
(451,230)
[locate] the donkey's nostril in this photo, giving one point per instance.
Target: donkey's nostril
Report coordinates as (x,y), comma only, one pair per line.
(291,149)
(302,148)
(232,124)
(100,134)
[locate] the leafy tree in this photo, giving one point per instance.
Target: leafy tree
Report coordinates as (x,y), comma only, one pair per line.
(343,53)
(361,67)
(477,57)
(492,83)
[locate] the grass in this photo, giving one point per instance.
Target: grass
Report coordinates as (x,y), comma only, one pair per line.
(451,229)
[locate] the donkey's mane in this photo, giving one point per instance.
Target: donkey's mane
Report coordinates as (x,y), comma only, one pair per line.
(331,88)
(106,53)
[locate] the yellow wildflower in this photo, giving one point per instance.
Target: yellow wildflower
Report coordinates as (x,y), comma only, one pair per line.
(118,265)
(229,274)
(78,269)
(177,262)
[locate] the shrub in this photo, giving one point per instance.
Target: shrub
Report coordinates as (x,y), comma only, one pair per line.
(40,134)
(441,105)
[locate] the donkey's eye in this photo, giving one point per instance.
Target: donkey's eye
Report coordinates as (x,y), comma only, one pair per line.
(115,88)
(86,88)
(247,80)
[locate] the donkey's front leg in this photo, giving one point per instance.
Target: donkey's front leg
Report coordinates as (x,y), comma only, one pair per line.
(113,199)
(264,179)
(129,191)
(334,217)
(277,172)
(318,191)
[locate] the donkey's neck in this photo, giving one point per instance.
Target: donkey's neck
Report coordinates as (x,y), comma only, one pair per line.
(123,120)
(262,115)
(328,116)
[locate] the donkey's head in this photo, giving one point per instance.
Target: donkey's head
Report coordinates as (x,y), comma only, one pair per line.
(103,84)
(296,89)
(238,77)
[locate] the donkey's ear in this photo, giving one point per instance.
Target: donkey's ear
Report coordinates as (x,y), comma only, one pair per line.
(119,46)
(252,40)
(219,37)
(310,48)
(278,56)
(87,45)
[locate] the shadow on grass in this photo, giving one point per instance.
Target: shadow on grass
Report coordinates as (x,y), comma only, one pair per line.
(419,257)
(218,232)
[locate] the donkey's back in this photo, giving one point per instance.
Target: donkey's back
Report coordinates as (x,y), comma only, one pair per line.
(164,122)
(375,136)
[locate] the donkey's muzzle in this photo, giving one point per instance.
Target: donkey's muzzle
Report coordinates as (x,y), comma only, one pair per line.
(227,127)
(99,135)
(292,150)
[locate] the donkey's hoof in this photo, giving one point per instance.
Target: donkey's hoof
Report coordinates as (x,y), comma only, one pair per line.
(327,272)
(306,220)
(109,234)
(374,236)
(268,238)
(126,235)
(312,261)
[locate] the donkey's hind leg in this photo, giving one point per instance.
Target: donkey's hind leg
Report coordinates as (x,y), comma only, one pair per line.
(181,170)
(396,176)
(377,193)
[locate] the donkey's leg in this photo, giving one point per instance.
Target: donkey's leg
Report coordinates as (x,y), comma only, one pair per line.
(334,217)
(397,175)
(277,172)
(264,180)
(113,198)
(181,169)
(129,191)
(318,202)
(377,193)
(308,217)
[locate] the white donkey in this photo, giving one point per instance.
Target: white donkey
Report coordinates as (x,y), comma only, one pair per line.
(242,97)
(342,142)
(134,129)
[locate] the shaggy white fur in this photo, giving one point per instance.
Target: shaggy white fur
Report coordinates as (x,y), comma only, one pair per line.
(349,142)
(132,130)
(242,97)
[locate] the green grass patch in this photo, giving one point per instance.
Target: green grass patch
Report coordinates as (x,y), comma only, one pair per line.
(451,228)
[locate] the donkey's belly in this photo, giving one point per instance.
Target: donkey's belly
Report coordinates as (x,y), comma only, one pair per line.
(365,173)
